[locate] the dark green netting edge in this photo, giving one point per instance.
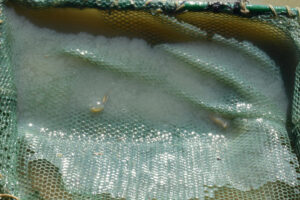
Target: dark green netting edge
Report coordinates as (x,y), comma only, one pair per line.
(8,178)
(165,6)
(8,122)
(296,111)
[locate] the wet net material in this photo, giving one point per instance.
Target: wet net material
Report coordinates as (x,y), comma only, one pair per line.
(149,100)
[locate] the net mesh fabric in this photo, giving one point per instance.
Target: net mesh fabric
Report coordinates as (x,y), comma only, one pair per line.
(80,156)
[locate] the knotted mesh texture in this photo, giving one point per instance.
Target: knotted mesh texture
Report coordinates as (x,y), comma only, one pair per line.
(98,119)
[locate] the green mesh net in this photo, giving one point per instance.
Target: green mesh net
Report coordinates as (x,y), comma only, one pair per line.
(149,99)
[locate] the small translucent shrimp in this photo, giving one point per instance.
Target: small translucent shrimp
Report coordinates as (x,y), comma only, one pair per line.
(99,105)
(219,121)
(59,155)
(97,109)
(104,99)
(98,154)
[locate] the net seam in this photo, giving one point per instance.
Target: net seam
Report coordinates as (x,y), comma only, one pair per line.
(180,7)
(289,11)
(9,196)
(244,9)
(241,7)
(273,10)
(298,9)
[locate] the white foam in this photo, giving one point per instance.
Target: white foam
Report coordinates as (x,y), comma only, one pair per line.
(49,82)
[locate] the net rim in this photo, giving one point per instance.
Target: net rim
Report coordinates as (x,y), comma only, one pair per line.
(169,6)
